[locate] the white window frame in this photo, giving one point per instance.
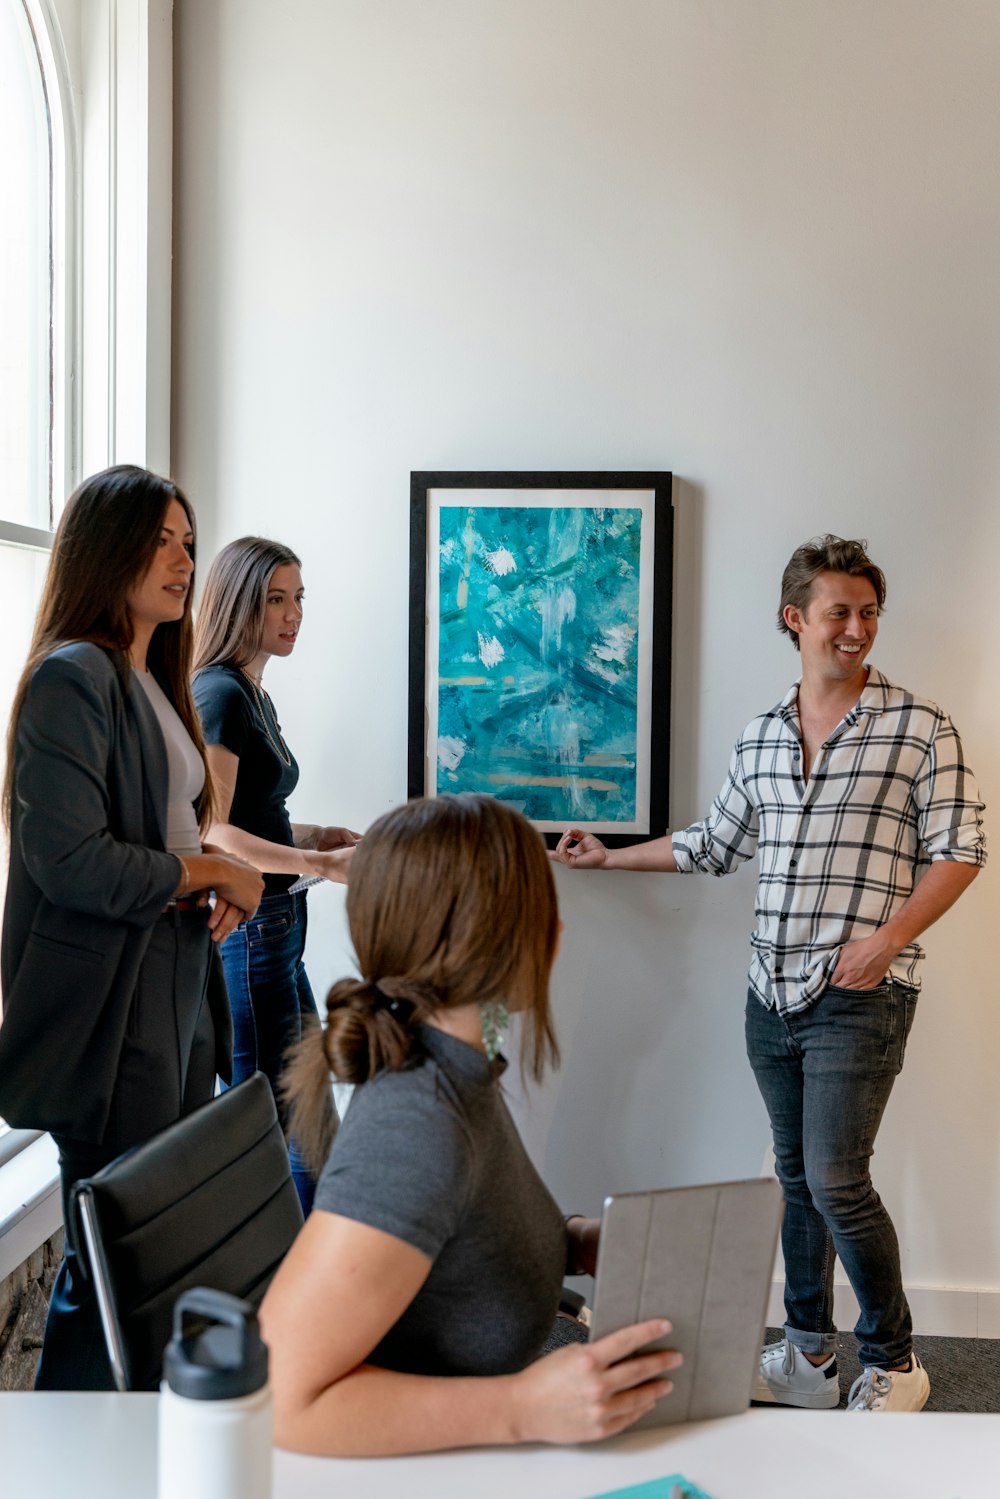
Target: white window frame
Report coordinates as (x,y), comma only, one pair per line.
(120,64)
(55,80)
(108,70)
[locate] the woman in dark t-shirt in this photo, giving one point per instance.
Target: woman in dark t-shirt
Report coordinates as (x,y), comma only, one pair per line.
(251,611)
(410,1312)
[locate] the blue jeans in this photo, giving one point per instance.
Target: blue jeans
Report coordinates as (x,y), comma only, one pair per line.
(825,1076)
(271,1001)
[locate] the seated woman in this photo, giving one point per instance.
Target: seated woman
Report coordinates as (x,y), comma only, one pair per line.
(411,1310)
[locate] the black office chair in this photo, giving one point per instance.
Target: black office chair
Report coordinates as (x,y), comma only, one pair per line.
(209,1201)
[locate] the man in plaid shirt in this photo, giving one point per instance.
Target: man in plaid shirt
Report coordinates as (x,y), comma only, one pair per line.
(867,823)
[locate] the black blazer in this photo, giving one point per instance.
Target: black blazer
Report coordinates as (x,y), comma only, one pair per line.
(88,878)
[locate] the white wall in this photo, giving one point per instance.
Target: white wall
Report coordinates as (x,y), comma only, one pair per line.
(754,241)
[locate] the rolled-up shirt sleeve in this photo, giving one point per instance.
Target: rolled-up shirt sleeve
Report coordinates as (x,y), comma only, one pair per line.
(950,808)
(728,835)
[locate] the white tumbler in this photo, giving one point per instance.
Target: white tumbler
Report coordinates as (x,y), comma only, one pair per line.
(215,1426)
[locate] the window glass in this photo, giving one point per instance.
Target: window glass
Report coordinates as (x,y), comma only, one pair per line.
(22,573)
(25,277)
(74,331)
(26,371)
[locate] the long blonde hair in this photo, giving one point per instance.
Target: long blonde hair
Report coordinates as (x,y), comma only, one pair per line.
(230,626)
(451,900)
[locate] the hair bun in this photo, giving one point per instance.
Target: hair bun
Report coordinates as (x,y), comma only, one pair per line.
(367,1028)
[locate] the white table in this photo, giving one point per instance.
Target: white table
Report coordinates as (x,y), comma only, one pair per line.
(104,1446)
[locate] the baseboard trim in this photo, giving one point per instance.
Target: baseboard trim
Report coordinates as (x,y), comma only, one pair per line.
(938,1311)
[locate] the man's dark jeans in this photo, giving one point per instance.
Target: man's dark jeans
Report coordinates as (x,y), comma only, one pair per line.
(825,1076)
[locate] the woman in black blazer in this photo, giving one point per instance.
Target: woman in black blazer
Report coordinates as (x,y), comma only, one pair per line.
(115,1018)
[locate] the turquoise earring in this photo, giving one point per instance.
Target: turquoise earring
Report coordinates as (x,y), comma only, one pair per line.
(494,1018)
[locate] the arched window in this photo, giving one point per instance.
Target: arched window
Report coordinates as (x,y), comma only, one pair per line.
(25,275)
(33,356)
(38,352)
(32,253)
(85,160)
(35,258)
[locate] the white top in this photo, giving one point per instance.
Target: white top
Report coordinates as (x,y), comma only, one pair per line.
(185,767)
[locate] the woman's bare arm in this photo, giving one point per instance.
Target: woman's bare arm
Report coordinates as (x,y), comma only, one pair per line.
(340,1289)
(268,857)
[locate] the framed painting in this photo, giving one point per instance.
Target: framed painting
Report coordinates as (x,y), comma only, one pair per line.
(540,630)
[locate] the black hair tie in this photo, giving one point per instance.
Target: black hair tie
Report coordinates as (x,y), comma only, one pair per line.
(399,1009)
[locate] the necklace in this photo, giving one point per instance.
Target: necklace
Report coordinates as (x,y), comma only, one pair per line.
(277,743)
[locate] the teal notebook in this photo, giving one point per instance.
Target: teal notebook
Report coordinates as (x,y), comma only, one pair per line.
(675,1486)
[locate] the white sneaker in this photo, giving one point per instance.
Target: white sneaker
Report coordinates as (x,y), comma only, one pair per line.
(786,1377)
(891,1389)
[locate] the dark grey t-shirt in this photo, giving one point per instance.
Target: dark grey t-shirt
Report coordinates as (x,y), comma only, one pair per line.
(431,1155)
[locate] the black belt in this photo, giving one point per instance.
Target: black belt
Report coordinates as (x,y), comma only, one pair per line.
(182,903)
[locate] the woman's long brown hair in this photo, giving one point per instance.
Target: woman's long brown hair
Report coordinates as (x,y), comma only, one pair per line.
(450,901)
(103,547)
(230,624)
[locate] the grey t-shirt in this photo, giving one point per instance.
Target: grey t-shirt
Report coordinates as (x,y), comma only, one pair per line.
(430,1155)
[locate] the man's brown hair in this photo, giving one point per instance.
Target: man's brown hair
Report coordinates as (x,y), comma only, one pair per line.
(825,554)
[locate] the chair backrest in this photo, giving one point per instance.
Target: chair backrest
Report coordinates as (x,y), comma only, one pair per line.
(209,1201)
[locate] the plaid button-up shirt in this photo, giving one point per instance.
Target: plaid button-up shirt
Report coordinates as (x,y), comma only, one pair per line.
(889,792)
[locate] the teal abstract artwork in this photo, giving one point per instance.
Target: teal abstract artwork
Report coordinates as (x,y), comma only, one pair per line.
(538,658)
(540,645)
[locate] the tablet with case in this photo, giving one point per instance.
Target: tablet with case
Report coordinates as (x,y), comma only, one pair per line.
(704,1257)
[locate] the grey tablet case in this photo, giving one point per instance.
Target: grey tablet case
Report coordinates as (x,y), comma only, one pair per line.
(702,1256)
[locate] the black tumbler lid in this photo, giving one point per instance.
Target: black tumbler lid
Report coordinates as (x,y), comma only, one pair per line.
(222,1361)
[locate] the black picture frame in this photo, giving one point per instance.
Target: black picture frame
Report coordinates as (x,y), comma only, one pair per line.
(432,495)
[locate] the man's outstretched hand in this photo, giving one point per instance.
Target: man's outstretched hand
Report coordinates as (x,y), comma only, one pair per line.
(579,850)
